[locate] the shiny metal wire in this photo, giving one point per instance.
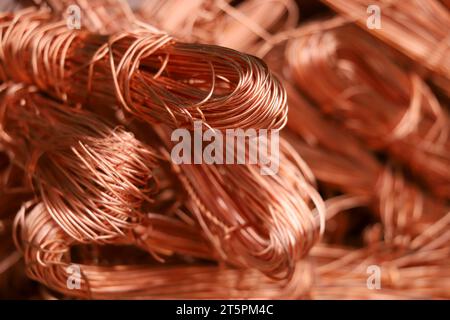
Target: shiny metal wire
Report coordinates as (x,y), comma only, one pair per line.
(389,108)
(153,76)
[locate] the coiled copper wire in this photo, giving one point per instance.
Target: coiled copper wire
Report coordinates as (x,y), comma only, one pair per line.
(335,274)
(340,161)
(95,181)
(422,37)
(153,77)
(266,254)
(390,109)
(72,155)
(70,152)
(47,254)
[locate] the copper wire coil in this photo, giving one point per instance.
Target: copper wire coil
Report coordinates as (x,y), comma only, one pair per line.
(154,77)
(271,260)
(407,122)
(269,229)
(335,268)
(406,212)
(363,157)
(62,149)
(47,255)
(256,239)
(97,182)
(339,160)
(422,37)
(244,214)
(46,249)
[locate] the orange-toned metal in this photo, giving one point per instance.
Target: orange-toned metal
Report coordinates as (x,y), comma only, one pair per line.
(389,108)
(247,26)
(98,183)
(153,76)
(418,29)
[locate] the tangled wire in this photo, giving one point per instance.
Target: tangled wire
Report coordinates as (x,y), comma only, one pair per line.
(390,109)
(88,182)
(154,77)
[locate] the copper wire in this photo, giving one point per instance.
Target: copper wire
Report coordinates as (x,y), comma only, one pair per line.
(388,108)
(153,77)
(340,161)
(102,16)
(274,220)
(97,182)
(267,255)
(269,229)
(47,254)
(262,234)
(422,37)
(418,274)
(69,152)
(246,27)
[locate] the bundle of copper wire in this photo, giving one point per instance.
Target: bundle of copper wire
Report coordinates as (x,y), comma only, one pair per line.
(153,77)
(424,37)
(108,175)
(341,162)
(391,109)
(90,186)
